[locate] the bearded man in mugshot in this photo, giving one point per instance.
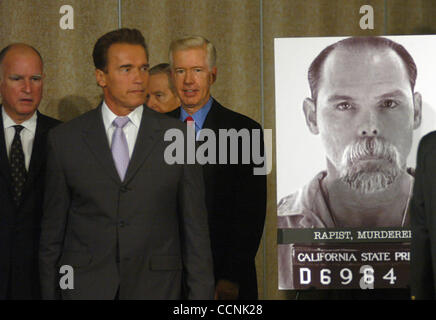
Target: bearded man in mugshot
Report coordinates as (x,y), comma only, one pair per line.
(365,109)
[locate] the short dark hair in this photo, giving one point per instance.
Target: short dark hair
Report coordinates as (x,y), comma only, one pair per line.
(123,35)
(163,68)
(314,74)
(160,68)
(10,46)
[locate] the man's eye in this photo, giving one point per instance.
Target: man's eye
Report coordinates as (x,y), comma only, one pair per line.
(389,104)
(15,78)
(179,71)
(344,106)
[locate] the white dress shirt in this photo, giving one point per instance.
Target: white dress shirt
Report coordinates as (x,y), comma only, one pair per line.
(27,135)
(130,129)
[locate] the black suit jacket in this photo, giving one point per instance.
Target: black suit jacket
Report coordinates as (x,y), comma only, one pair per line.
(236,204)
(423,221)
(20,227)
(146,235)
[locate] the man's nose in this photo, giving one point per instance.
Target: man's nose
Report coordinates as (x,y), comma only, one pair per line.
(139,76)
(188,77)
(151,101)
(369,125)
(27,86)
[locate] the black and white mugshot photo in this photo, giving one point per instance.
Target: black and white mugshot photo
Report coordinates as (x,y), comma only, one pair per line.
(350,113)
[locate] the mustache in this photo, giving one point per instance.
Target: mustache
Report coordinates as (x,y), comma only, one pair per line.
(372,148)
(370,177)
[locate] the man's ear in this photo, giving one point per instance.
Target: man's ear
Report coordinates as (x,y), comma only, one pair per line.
(417,110)
(100,76)
(309,108)
(213,73)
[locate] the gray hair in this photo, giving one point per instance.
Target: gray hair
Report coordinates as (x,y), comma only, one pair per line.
(190,42)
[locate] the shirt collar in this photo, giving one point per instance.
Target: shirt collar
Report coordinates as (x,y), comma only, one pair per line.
(108,116)
(200,116)
(29,124)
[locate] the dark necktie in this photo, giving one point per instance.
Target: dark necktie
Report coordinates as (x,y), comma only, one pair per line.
(18,167)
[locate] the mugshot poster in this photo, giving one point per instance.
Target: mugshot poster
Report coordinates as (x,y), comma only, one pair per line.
(346,152)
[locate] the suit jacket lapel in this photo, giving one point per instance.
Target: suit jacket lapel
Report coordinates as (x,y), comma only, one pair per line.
(211,121)
(4,161)
(95,137)
(38,150)
(39,145)
(145,141)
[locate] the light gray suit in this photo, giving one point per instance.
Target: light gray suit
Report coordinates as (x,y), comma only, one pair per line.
(147,236)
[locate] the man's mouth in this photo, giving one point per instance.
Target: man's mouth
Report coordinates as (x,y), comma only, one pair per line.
(137,91)
(371,158)
(26,100)
(190,92)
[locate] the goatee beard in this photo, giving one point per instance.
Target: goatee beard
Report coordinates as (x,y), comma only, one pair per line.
(370,165)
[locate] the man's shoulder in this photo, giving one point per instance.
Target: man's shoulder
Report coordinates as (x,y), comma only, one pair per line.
(174,114)
(166,120)
(428,142)
(304,208)
(77,124)
(47,121)
(233,118)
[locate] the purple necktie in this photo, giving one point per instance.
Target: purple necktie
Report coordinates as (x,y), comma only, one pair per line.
(120,149)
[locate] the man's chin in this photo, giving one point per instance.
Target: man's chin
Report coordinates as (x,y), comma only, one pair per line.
(372,165)
(367,182)
(188,105)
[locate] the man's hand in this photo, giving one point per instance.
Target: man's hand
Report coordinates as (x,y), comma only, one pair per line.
(226,290)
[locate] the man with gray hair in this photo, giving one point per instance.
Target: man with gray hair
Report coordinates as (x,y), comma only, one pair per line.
(365,109)
(23,135)
(161,94)
(235,198)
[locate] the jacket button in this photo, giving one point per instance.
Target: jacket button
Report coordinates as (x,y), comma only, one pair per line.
(121,224)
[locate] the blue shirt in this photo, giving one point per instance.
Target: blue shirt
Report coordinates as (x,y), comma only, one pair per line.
(199,117)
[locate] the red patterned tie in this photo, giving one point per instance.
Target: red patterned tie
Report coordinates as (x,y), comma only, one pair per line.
(189,119)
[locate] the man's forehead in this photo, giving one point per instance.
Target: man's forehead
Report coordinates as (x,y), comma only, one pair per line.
(194,54)
(365,65)
(158,82)
(158,78)
(21,49)
(125,51)
(21,59)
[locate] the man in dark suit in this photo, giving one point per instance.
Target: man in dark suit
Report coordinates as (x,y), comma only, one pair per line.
(130,225)
(23,132)
(422,218)
(235,197)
